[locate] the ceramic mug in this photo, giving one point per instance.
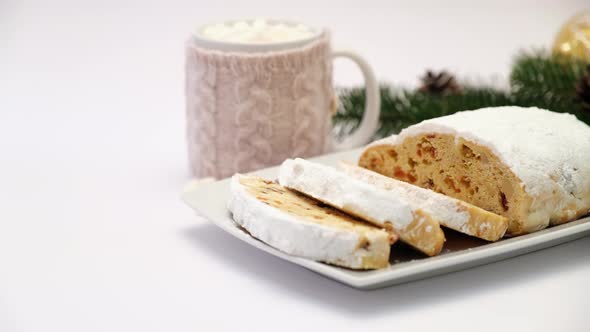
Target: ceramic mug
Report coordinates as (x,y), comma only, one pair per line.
(256,98)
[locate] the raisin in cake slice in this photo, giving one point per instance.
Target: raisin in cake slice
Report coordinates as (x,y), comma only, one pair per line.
(450,212)
(528,164)
(378,206)
(301,226)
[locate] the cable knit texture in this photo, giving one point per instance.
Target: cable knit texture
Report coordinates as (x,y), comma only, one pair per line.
(247,111)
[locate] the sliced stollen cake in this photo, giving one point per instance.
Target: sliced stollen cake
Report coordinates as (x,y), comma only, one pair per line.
(528,164)
(301,226)
(356,197)
(450,212)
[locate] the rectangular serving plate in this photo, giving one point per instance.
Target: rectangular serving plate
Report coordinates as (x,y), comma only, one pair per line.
(460,252)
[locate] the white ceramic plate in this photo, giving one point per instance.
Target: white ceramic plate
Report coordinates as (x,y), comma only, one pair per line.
(460,252)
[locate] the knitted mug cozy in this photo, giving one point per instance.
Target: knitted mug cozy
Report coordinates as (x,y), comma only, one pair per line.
(247,111)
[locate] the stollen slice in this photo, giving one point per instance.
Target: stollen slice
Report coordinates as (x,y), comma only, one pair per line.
(302,226)
(333,187)
(450,212)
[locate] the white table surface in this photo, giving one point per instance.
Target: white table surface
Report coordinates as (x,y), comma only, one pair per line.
(93,236)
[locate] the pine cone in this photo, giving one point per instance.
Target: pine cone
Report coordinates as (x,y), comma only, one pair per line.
(583,90)
(441,83)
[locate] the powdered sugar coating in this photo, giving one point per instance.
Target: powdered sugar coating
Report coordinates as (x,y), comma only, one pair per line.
(549,152)
(335,188)
(447,210)
(299,237)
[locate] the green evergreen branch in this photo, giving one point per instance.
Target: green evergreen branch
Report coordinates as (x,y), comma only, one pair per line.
(402,107)
(537,79)
(548,81)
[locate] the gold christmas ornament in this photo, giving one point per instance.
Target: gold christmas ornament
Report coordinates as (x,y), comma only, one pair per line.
(574,37)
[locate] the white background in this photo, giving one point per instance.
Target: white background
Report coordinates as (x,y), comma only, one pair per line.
(93,236)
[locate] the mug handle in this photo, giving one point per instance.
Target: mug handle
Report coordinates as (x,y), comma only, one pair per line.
(368,126)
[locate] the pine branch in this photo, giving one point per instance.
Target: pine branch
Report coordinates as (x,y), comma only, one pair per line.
(401,108)
(548,81)
(537,79)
